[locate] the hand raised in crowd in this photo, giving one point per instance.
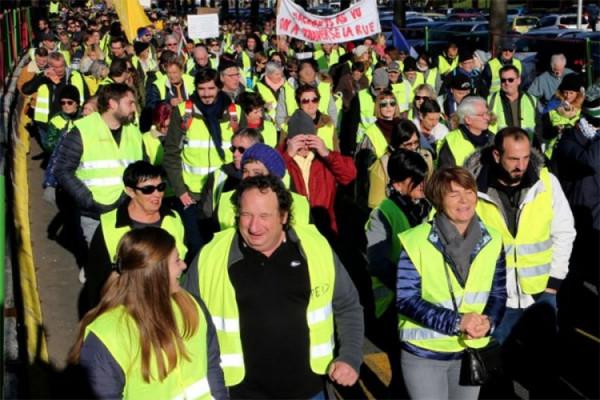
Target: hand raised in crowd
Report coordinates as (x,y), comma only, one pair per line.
(296,143)
(314,142)
(50,74)
(175,101)
(342,373)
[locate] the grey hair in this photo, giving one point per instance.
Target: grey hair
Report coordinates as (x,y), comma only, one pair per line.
(57,56)
(558,58)
(172,37)
(273,67)
(425,86)
(97,67)
(466,107)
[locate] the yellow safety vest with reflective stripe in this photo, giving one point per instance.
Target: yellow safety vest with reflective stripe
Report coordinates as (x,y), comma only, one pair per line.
(246,62)
(402,92)
(377,139)
(556,119)
(154,148)
(495,66)
(42,105)
(382,295)
(323,62)
(112,234)
(269,133)
(530,252)
(162,82)
(527,105)
(120,334)
(430,263)
(325,132)
(226,213)
(460,147)
(324,89)
(103,161)
(54,7)
(199,156)
(219,295)
(271,101)
(444,66)
(430,76)
(367,112)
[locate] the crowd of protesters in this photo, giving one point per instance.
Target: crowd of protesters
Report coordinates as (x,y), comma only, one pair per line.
(470,198)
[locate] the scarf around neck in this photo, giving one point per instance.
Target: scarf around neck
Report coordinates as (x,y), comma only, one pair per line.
(212,113)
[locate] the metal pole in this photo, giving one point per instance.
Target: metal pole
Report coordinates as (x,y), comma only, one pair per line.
(427,38)
(588,61)
(579,13)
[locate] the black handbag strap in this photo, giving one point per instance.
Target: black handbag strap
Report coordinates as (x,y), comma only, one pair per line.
(450,286)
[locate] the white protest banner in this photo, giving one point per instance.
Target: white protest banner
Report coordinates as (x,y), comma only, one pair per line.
(147,4)
(360,20)
(203,26)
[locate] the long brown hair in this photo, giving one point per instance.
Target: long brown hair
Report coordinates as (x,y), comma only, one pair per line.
(142,287)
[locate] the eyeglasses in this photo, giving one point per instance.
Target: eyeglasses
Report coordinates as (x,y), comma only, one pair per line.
(387,103)
(410,145)
(238,148)
(421,97)
(149,189)
(171,44)
(306,100)
(67,102)
(504,80)
(485,114)
(233,75)
(380,88)
(508,50)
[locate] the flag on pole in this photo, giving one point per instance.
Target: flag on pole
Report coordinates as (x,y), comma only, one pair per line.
(132,16)
(401,43)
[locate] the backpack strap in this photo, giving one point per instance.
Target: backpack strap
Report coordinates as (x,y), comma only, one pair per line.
(233,117)
(186,118)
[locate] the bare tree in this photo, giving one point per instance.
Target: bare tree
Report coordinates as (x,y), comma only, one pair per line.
(497,20)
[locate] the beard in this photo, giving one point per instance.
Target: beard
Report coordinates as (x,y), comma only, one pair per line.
(509,178)
(125,119)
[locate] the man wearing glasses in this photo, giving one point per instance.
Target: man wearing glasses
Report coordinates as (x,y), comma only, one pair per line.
(142,208)
(229,75)
(491,73)
(513,107)
(117,50)
(472,133)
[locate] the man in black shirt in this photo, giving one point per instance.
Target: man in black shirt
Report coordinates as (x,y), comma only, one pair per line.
(275,292)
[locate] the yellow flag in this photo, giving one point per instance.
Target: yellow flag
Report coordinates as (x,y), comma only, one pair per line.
(132,16)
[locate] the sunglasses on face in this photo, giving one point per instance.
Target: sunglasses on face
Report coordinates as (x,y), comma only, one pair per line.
(67,102)
(238,148)
(149,189)
(387,103)
(313,100)
(508,50)
(421,97)
(504,80)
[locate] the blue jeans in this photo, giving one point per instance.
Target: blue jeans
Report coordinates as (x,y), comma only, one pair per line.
(512,316)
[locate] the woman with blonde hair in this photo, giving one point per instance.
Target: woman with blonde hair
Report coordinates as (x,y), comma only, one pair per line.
(149,338)
(92,53)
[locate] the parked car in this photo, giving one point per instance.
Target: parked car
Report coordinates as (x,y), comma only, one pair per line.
(434,16)
(523,23)
(579,61)
(416,19)
(562,21)
(512,13)
(466,17)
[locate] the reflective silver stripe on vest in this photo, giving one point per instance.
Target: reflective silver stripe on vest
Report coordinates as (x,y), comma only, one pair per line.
(469,298)
(509,248)
(367,120)
(44,111)
(43,100)
(537,270)
(226,324)
(527,249)
(103,181)
(321,314)
(232,360)
(104,164)
(195,390)
(321,350)
(205,144)
(420,334)
(198,170)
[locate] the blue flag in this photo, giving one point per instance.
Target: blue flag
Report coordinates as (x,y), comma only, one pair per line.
(401,43)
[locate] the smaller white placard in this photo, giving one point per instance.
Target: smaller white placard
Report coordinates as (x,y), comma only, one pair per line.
(203,26)
(147,4)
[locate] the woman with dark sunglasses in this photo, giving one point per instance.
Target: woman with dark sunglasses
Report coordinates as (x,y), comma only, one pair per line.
(144,207)
(376,140)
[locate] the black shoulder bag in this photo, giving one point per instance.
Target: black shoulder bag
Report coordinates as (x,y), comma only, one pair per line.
(478,365)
